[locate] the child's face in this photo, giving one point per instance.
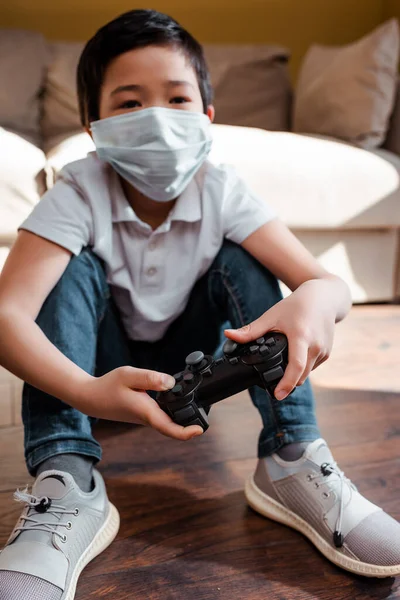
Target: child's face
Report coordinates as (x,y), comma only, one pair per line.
(148,77)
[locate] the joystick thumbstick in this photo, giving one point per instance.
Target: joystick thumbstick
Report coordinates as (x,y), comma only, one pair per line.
(195,360)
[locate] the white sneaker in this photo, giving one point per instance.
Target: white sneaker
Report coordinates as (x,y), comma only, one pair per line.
(313,496)
(61,529)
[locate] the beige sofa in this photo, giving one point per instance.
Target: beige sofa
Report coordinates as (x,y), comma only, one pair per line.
(342,201)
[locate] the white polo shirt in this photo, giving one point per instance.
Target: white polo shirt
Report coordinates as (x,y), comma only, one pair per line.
(150,273)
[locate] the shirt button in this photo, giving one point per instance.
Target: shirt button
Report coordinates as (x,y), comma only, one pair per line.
(152,271)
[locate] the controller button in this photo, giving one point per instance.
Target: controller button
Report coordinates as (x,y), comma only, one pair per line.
(253,349)
(178,376)
(177,390)
(264,350)
(230,347)
(195,359)
(183,414)
(234,360)
(188,377)
(219,361)
(260,341)
(273,374)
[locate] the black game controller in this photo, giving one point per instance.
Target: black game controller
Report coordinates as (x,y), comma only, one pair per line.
(206,381)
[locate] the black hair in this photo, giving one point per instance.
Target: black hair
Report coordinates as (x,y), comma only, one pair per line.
(134,29)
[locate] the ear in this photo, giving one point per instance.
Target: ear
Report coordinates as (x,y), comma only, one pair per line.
(88,131)
(211,112)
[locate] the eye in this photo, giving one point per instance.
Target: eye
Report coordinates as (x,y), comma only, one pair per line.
(179,100)
(130,104)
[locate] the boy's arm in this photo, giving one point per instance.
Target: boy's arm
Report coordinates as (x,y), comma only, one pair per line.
(307,316)
(32,269)
(275,246)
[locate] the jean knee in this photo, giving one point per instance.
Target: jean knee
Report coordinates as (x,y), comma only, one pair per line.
(83,271)
(241,266)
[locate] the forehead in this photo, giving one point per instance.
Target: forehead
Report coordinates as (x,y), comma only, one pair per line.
(149,65)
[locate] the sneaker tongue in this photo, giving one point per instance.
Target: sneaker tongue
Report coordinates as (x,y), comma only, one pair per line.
(318,452)
(53,484)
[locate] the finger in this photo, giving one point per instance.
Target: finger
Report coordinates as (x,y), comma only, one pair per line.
(250,332)
(298,355)
(160,421)
(144,379)
(312,358)
(321,360)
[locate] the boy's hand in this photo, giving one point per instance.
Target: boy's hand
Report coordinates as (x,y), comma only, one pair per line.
(307,322)
(120,396)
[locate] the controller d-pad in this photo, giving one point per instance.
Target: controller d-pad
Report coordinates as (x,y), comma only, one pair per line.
(253,349)
(260,341)
(270,341)
(230,347)
(264,350)
(234,360)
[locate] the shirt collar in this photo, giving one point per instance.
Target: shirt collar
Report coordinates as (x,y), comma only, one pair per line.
(187,208)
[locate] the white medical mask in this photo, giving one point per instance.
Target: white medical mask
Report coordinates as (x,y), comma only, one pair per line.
(158,150)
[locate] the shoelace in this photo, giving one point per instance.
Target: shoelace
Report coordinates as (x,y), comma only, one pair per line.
(43,505)
(328,469)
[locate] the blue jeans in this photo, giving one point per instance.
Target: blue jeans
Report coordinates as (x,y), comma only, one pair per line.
(80,319)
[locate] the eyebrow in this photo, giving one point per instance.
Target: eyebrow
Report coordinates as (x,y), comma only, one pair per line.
(137,88)
(126,88)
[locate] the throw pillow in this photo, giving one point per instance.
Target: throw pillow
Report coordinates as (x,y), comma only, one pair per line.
(23,59)
(251,85)
(348,92)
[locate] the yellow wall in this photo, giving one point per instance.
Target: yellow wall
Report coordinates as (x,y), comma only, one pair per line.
(391,8)
(293,23)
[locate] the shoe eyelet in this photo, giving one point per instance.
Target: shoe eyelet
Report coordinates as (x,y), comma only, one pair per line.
(316,485)
(76,512)
(69,525)
(325,495)
(309,478)
(63,539)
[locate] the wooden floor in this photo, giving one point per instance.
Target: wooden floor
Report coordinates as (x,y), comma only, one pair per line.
(186,532)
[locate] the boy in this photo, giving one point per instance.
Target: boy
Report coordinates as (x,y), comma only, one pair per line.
(138,250)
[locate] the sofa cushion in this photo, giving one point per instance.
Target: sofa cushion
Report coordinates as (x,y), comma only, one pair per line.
(314,182)
(348,92)
(251,85)
(23,60)
(21,182)
(72,148)
(60,104)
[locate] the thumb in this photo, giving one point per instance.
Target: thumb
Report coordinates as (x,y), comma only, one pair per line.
(250,332)
(145,379)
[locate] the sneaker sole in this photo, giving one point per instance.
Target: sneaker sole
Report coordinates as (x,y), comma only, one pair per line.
(268,507)
(100,542)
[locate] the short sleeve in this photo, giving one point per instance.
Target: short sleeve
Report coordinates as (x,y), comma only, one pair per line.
(62,216)
(242,211)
